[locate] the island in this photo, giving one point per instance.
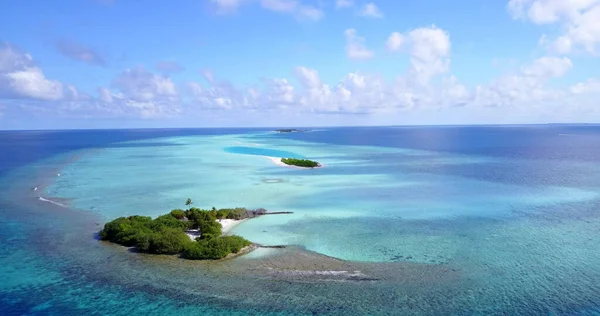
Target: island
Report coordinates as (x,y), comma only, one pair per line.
(291,130)
(305,163)
(193,233)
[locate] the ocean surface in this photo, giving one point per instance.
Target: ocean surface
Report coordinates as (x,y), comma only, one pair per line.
(449,220)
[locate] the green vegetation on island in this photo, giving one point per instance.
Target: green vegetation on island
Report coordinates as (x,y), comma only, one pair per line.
(300,162)
(291,130)
(166,234)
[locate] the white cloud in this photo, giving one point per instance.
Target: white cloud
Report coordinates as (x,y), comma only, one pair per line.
(118,104)
(280,93)
(11,59)
(580,20)
(369,94)
(370,10)
(309,78)
(394,42)
(590,86)
(429,51)
(33,84)
(210,98)
(139,94)
(21,78)
(355,46)
(140,85)
(527,87)
(105,95)
(344,4)
(547,67)
(220,95)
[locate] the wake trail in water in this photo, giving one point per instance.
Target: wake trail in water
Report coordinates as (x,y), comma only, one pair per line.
(50,201)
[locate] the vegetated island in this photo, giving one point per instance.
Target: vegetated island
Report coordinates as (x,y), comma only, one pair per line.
(305,163)
(291,130)
(171,234)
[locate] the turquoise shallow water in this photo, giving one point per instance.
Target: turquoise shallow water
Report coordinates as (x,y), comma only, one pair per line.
(361,185)
(423,231)
(258,151)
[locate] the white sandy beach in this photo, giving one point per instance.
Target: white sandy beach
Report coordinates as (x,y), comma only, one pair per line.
(277,161)
(227,225)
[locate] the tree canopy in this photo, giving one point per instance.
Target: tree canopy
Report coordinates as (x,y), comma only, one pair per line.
(166,234)
(300,162)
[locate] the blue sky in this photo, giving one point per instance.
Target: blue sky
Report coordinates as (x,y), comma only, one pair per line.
(195,63)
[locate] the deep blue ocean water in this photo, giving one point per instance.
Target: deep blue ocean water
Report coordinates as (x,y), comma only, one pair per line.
(451,220)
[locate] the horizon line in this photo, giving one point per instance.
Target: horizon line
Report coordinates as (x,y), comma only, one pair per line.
(291,127)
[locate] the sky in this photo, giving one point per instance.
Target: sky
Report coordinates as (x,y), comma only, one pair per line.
(248,63)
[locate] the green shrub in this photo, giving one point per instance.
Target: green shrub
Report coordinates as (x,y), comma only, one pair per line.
(168,242)
(166,234)
(300,162)
(214,248)
(178,214)
(123,230)
(168,221)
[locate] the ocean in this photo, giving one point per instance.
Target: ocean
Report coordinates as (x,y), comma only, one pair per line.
(447,220)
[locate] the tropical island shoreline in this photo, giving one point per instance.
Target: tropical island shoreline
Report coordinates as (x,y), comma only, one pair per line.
(282,162)
(194,234)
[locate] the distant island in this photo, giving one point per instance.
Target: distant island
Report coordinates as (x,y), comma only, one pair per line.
(300,162)
(291,130)
(193,233)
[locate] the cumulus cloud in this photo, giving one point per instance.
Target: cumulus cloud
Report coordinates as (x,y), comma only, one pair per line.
(105,95)
(548,67)
(355,46)
(429,49)
(370,10)
(526,87)
(590,86)
(79,52)
(218,95)
(32,83)
(20,77)
(137,93)
(371,94)
(141,85)
(395,42)
(580,20)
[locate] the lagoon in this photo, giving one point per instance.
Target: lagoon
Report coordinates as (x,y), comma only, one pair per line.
(470,221)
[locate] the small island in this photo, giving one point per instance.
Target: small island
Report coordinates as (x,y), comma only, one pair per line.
(291,130)
(171,234)
(305,163)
